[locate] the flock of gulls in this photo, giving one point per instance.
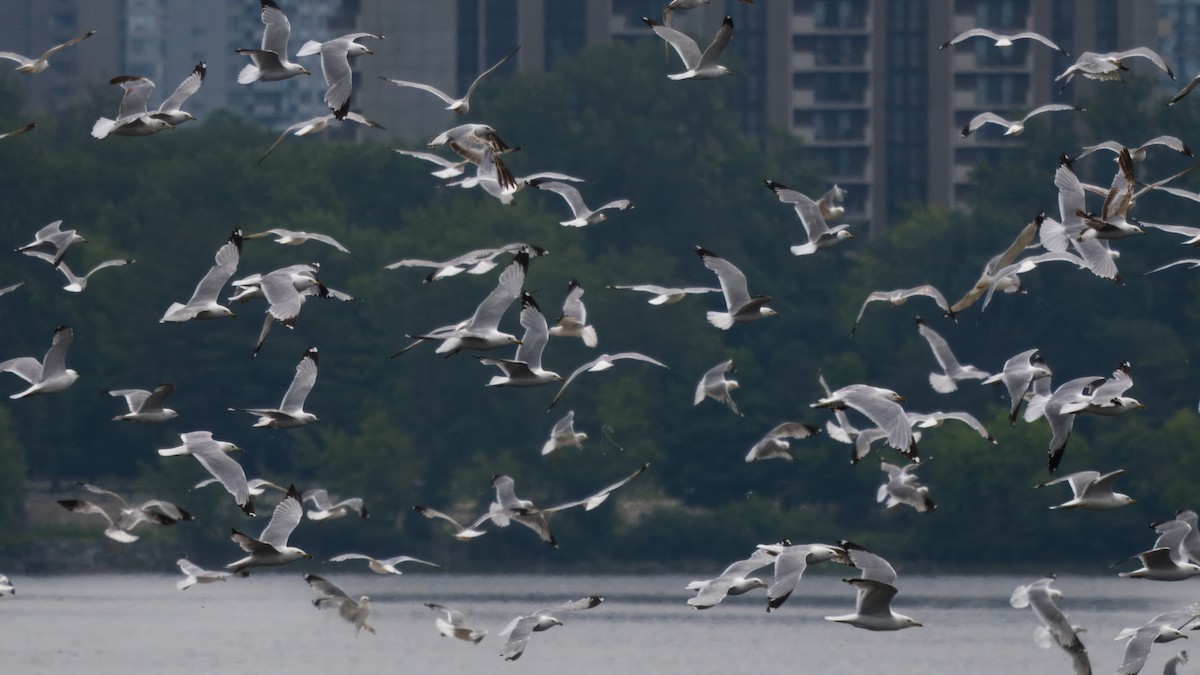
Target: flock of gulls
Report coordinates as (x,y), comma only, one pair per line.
(1080,232)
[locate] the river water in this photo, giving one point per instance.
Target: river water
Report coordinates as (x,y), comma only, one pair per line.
(124,624)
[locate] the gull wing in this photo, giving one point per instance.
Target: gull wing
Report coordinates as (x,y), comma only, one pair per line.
(1145,53)
(58,48)
(134,398)
(808,210)
(982,119)
(327,588)
(733,281)
(489,71)
(302,383)
(286,517)
(137,95)
(685,46)
(487,315)
(874,568)
(226,264)
(448,99)
(190,85)
(55,361)
(724,34)
(567,192)
(225,469)
(536,333)
(153,401)
(965,35)
(277,28)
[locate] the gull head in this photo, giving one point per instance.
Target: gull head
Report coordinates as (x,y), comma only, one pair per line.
(356,49)
(767,312)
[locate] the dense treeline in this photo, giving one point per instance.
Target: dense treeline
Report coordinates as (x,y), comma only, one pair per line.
(422,429)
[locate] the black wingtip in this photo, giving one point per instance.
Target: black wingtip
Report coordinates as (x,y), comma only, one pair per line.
(650,22)
(704,253)
(775,187)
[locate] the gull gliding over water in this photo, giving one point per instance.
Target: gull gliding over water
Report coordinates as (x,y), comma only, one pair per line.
(454,624)
(1054,623)
(48,376)
(325,509)
(271,548)
(739,306)
(195,574)
(271,61)
(203,303)
(1165,627)
(28,66)
(1091,491)
(459,105)
(699,66)
(811,213)
(519,630)
(790,563)
(332,595)
(735,580)
(381,566)
(876,588)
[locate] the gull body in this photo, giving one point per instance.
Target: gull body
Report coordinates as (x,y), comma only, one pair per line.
(1040,597)
(335,66)
(213,455)
(381,565)
(133,119)
(714,385)
(332,595)
(453,624)
(519,630)
(582,215)
(563,435)
(1091,491)
(525,369)
(1000,40)
(324,508)
(739,306)
(194,574)
(51,243)
(873,608)
(203,303)
(573,322)
(775,443)
(735,580)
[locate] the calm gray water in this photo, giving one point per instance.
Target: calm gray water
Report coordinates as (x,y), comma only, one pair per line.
(266,624)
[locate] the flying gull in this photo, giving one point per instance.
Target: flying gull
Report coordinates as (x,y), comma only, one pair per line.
(563,435)
(1165,627)
(699,66)
(735,580)
(876,588)
(902,488)
(335,65)
(881,406)
(739,306)
(664,295)
(1012,128)
(899,297)
(317,125)
(525,369)
(714,385)
(1054,623)
(481,331)
(271,548)
(1091,491)
(145,406)
(453,624)
(48,376)
(290,413)
(1018,373)
(459,105)
(1003,40)
(271,61)
(296,237)
(1108,66)
(133,119)
(325,509)
(381,565)
(51,243)
(599,364)
(573,322)
(952,371)
(203,303)
(195,574)
(28,66)
(76,283)
(19,131)
(478,143)
(790,563)
(479,261)
(213,456)
(820,234)
(171,109)
(332,595)
(519,630)
(582,215)
(774,444)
